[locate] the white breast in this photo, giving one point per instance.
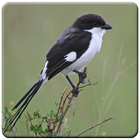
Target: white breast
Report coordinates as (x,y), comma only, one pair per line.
(94,47)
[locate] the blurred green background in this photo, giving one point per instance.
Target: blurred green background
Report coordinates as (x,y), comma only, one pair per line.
(30,30)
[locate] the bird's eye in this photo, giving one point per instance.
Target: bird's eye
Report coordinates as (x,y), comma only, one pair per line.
(95,23)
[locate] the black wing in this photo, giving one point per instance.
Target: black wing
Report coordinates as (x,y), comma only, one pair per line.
(77,41)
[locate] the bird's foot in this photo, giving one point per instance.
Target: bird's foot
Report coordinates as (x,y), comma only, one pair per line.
(75,92)
(82,76)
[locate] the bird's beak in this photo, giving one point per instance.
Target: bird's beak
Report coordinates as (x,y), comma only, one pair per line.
(106,27)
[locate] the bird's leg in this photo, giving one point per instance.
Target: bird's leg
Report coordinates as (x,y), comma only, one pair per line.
(82,76)
(74,90)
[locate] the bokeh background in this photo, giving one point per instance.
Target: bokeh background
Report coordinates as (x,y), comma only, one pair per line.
(30,30)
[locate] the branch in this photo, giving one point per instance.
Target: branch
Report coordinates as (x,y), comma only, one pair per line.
(69,103)
(90,84)
(54,125)
(30,119)
(58,128)
(94,126)
(67,96)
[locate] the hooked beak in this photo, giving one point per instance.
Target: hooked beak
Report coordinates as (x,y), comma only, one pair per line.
(106,27)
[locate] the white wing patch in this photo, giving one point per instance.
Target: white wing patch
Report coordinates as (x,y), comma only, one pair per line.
(43,75)
(70,56)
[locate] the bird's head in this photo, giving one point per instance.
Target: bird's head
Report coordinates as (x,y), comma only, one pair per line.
(90,21)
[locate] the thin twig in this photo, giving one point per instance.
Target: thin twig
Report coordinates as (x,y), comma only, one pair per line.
(73,110)
(90,84)
(65,113)
(56,118)
(27,126)
(14,130)
(29,118)
(69,133)
(49,123)
(70,103)
(94,126)
(67,107)
(127,68)
(60,123)
(65,101)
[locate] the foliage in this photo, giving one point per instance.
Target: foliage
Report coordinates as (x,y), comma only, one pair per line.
(50,124)
(7,114)
(30,30)
(48,121)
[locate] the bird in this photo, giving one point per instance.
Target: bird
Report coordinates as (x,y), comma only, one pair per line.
(73,50)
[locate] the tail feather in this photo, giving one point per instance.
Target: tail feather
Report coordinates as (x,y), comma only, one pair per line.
(21,100)
(27,97)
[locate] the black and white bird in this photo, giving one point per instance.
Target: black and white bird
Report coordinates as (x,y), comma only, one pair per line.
(73,50)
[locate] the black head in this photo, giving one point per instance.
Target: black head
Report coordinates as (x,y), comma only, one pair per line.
(89,21)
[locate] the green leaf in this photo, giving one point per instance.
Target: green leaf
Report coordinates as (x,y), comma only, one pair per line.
(7,112)
(32,127)
(60,117)
(36,114)
(52,113)
(40,130)
(6,109)
(66,133)
(58,135)
(11,105)
(46,130)
(104,134)
(5,117)
(36,127)
(49,133)
(29,115)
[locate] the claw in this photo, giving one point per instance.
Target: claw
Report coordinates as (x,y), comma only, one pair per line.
(82,78)
(75,92)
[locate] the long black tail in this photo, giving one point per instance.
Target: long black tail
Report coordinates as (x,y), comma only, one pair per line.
(26,98)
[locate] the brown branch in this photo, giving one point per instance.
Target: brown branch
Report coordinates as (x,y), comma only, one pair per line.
(94,126)
(65,102)
(67,107)
(27,126)
(70,104)
(90,84)
(56,118)
(49,123)
(70,99)
(69,133)
(30,119)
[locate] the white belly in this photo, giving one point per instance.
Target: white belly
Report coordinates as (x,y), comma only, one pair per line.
(79,64)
